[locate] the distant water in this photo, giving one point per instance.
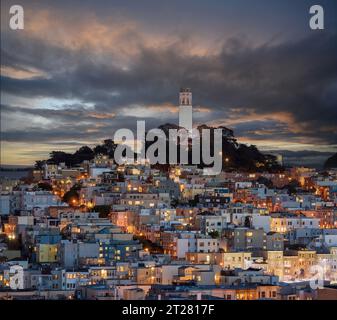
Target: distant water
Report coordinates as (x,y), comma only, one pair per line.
(14,174)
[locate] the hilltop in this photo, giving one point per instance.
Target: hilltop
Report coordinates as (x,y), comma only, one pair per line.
(331,162)
(235,155)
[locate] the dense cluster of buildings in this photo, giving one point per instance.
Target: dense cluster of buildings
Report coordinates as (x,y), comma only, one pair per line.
(135,232)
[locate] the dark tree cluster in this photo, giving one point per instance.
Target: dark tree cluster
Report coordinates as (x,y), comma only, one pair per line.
(84,153)
(235,156)
(331,162)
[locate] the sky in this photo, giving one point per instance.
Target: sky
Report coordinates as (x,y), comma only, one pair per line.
(82,69)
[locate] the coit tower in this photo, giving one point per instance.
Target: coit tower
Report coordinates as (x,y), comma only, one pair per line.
(185,109)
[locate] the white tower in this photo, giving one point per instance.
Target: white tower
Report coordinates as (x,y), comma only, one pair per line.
(185,109)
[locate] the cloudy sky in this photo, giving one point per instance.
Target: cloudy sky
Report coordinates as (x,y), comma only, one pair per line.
(81,69)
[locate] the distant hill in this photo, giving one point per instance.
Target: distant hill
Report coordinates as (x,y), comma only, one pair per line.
(234,155)
(331,162)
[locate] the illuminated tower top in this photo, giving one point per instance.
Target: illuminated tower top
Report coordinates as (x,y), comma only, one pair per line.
(185,97)
(185,109)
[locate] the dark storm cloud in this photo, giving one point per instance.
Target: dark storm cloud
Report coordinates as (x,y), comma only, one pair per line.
(299,78)
(258,130)
(91,67)
(75,127)
(22,52)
